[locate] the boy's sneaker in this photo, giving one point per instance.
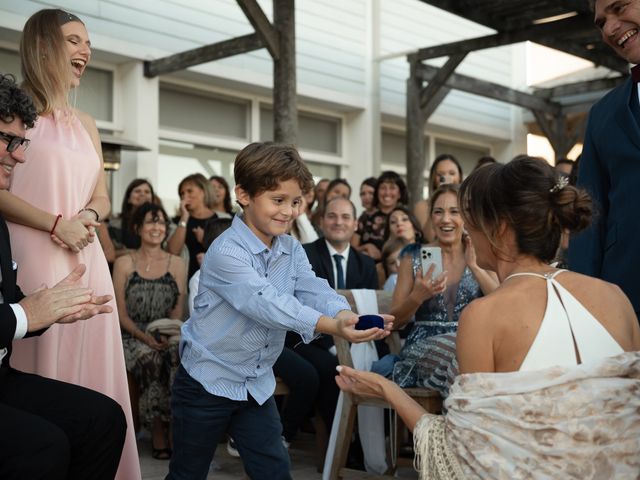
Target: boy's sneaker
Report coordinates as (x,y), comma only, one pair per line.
(231,448)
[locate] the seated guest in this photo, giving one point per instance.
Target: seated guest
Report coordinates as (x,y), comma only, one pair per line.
(212,230)
(390,192)
(196,207)
(338,187)
(332,259)
(301,227)
(484,161)
(50,429)
(354,270)
(319,191)
(436,303)
(121,230)
(301,378)
(367,189)
(549,362)
(391,261)
(116,235)
(222,196)
(444,169)
(402,223)
(150,284)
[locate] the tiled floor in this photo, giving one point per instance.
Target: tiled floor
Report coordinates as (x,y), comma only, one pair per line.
(302,452)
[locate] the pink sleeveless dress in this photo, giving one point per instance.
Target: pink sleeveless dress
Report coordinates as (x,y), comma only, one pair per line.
(59,176)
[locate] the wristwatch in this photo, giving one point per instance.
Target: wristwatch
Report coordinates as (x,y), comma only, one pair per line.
(182,224)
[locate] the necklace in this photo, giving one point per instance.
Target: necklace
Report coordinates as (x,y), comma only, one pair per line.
(150,260)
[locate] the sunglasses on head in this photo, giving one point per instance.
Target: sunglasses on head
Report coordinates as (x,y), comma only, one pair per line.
(14,142)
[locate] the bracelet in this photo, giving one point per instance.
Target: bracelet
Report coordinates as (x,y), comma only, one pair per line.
(87,209)
(182,224)
(55,224)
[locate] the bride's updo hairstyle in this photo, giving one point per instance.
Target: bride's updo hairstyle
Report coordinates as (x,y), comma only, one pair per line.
(533,200)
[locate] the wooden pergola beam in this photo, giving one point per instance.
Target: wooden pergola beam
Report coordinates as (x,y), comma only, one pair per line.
(491,90)
(564,27)
(285,103)
(197,56)
(414,138)
(577,88)
(451,6)
(439,79)
(265,36)
(262,26)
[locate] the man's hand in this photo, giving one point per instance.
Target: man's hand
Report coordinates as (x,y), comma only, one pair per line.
(94,307)
(66,302)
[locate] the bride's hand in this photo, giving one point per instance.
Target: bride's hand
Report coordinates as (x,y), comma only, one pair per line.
(366,384)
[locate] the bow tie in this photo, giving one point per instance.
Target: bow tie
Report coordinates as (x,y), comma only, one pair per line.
(635,73)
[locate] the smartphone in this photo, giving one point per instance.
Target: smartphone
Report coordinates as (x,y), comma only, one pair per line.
(431,256)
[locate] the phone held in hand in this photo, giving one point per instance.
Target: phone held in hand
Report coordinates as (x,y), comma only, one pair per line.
(431,256)
(365,322)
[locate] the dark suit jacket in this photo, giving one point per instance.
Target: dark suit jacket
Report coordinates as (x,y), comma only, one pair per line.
(361,269)
(361,273)
(610,170)
(11,293)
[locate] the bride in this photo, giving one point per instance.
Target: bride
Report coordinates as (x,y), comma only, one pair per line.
(549,383)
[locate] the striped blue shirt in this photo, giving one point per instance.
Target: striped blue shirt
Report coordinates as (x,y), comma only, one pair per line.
(248,297)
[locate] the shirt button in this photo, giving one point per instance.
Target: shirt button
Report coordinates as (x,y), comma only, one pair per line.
(258,366)
(266,346)
(259,293)
(266,275)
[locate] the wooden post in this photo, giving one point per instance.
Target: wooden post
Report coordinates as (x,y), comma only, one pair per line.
(285,104)
(558,131)
(415,135)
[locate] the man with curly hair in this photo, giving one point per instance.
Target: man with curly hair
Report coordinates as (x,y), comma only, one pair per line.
(50,429)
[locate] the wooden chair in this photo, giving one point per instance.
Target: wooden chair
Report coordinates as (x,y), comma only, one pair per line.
(429,400)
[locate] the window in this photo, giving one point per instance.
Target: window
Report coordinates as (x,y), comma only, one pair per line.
(202,113)
(394,149)
(317,133)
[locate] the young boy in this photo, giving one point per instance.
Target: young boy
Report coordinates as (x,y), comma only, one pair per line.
(255,284)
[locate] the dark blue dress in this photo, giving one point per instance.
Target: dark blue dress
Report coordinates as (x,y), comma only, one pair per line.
(428,357)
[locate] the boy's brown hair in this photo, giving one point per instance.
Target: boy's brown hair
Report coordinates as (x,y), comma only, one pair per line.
(261,166)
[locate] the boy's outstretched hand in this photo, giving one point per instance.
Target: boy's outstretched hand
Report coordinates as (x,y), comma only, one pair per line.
(346,323)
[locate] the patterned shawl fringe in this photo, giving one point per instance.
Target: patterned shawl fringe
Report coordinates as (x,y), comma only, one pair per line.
(434,460)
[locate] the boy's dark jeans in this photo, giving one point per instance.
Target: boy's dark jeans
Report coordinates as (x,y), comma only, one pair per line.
(200,420)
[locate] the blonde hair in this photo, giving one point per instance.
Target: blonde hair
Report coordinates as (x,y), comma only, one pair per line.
(45,66)
(203,184)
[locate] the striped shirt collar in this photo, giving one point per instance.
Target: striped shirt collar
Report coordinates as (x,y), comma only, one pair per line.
(281,243)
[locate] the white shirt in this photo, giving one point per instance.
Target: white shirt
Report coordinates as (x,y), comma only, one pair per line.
(344,261)
(21,319)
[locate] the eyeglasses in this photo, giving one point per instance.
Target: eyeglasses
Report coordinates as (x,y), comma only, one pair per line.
(13,141)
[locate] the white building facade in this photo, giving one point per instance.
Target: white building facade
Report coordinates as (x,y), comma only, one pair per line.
(351,75)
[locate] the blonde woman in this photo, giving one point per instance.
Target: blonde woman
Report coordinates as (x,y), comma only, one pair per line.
(197,200)
(56,201)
